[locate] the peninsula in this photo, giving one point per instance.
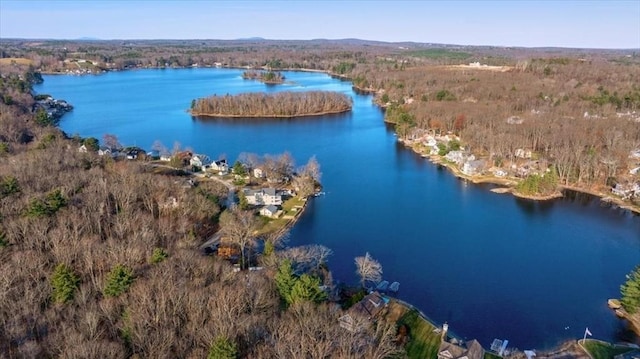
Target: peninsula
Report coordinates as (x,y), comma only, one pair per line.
(280,105)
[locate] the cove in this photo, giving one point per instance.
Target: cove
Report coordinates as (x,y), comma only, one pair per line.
(491,265)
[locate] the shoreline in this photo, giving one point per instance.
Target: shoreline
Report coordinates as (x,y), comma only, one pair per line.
(509,183)
(215,115)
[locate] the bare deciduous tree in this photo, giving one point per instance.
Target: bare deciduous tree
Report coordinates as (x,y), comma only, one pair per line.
(369,269)
(238,226)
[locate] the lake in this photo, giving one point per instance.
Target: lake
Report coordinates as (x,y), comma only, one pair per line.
(491,265)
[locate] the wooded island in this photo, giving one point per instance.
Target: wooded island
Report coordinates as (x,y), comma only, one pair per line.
(267,77)
(279,105)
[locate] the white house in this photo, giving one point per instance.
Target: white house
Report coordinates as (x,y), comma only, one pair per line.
(473,167)
(258,173)
(500,173)
(455,157)
(263,197)
(201,161)
(522,153)
(220,166)
(515,120)
(106,151)
(626,190)
(82,149)
(269,211)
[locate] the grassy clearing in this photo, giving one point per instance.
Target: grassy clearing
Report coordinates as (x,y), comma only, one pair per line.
(602,350)
(15,60)
(437,54)
(423,341)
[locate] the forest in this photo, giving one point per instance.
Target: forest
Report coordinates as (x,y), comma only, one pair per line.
(282,104)
(101,258)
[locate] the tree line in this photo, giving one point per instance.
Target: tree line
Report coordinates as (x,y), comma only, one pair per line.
(281,104)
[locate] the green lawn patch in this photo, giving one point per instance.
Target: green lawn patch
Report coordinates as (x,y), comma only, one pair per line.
(488,355)
(440,54)
(289,204)
(602,350)
(423,341)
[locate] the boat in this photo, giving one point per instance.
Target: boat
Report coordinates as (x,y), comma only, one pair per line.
(382,286)
(394,287)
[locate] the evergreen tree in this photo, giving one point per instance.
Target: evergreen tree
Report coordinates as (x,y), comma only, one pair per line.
(631,291)
(118,281)
(285,280)
(64,283)
(223,348)
(307,288)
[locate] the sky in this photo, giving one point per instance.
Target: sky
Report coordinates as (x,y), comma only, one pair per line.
(542,23)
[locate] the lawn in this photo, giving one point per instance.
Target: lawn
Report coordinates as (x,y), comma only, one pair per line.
(602,350)
(423,341)
(274,225)
(15,60)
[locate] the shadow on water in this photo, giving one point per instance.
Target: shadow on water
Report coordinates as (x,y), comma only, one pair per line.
(533,207)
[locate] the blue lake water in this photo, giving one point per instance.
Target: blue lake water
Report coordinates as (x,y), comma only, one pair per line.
(489,264)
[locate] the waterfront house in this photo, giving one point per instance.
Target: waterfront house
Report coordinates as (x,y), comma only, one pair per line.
(263,197)
(455,156)
(220,166)
(472,350)
(270,211)
(134,153)
(471,168)
(200,161)
(626,190)
(372,304)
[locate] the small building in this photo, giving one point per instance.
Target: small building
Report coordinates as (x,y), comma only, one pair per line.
(522,153)
(165,157)
(104,151)
(258,173)
(500,173)
(515,120)
(82,149)
(270,211)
